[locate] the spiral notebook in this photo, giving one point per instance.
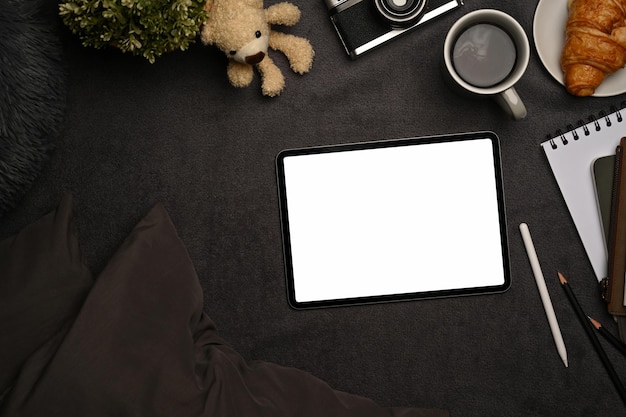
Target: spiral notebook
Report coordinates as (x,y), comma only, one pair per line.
(571,155)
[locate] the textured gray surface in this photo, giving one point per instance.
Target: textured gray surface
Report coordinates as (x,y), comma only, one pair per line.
(176,132)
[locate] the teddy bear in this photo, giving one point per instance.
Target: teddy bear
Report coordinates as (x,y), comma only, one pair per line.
(242,30)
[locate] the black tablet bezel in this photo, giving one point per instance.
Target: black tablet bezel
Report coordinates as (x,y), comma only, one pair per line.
(414,141)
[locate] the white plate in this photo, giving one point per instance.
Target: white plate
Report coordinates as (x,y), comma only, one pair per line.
(549,34)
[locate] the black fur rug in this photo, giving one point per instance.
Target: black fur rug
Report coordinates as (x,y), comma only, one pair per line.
(32,93)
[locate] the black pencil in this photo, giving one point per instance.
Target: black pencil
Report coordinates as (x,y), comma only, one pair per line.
(593,338)
(621,347)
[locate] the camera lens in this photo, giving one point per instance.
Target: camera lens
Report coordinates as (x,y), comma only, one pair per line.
(400,13)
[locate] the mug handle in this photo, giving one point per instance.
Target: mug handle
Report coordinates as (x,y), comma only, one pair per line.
(510,101)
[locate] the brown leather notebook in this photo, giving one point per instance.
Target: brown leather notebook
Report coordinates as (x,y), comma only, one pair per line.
(613,285)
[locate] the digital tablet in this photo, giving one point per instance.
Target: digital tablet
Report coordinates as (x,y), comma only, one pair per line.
(393,220)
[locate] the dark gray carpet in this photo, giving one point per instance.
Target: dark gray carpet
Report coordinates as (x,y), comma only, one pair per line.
(176,132)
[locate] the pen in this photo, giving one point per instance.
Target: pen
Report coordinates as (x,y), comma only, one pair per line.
(543,292)
(593,338)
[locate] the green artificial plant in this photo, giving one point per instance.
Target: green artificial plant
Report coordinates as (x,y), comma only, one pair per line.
(148,28)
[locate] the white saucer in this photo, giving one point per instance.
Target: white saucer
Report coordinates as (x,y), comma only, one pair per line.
(549,34)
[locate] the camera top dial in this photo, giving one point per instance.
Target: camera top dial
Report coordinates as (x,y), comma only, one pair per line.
(400,13)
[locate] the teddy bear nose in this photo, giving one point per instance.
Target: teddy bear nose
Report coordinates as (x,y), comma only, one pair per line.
(255,59)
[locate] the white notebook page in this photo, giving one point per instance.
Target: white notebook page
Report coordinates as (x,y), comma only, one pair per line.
(571,165)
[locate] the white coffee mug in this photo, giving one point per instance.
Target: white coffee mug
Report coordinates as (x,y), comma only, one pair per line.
(502,90)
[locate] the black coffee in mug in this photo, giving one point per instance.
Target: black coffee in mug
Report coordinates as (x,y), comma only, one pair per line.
(484,55)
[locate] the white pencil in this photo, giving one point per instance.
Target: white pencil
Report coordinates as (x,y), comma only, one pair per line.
(543,292)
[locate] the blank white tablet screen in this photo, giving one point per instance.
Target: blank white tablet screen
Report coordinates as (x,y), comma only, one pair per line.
(394,220)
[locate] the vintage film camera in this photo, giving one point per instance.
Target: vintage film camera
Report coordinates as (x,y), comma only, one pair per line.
(362,25)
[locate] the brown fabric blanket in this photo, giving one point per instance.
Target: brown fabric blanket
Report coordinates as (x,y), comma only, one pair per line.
(135,341)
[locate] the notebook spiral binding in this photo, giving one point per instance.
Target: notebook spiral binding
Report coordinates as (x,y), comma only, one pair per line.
(595,122)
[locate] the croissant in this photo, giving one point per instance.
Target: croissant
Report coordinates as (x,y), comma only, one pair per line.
(595,43)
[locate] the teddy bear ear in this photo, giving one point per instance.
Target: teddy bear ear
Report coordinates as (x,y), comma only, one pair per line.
(208,29)
(206,35)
